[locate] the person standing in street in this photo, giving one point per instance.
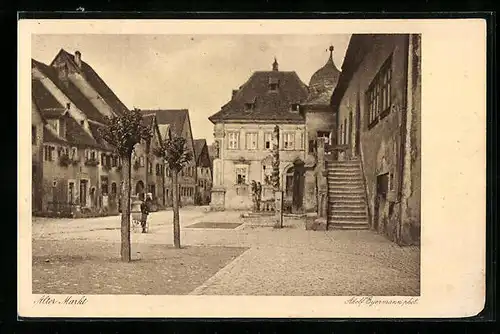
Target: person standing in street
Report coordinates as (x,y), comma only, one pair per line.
(144,215)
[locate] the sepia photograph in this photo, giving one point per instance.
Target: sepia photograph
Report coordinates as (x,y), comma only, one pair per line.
(217,164)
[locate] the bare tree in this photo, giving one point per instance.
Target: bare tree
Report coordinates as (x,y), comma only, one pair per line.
(176,155)
(123,133)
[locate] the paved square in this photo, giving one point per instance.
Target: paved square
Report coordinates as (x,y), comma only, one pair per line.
(229,226)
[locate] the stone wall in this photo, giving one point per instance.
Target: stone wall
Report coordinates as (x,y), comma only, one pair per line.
(381,145)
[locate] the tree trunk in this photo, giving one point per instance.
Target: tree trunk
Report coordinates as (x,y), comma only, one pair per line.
(125,205)
(175,195)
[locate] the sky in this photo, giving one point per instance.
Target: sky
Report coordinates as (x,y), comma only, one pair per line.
(195,72)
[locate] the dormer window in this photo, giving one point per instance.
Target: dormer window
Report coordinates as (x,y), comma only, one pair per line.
(295,107)
(249,106)
(273,84)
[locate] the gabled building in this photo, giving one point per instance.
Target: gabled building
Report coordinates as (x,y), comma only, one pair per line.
(203,170)
(378,104)
(148,170)
(178,124)
(243,130)
(78,171)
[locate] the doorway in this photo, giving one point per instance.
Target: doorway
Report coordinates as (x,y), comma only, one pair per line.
(380,200)
(298,186)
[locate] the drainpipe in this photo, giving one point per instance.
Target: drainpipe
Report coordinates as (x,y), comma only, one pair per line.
(402,150)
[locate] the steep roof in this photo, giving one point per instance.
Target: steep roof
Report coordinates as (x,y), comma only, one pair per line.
(94,128)
(198,147)
(96,82)
(77,136)
(51,137)
(71,91)
(45,101)
(174,117)
(268,105)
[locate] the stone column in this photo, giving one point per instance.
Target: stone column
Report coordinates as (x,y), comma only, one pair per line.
(218,191)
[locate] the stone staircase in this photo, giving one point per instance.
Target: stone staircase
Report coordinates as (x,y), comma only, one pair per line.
(346,196)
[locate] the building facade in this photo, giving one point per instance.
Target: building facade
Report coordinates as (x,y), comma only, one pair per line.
(378,99)
(243,131)
(74,170)
(178,124)
(204,171)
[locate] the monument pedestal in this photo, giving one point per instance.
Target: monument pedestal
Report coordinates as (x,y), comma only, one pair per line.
(217,202)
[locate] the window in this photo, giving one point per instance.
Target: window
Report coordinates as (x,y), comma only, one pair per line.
(141,161)
(324,135)
(252,141)
(241,174)
(295,107)
(92,155)
(113,188)
(49,153)
(108,161)
(114,162)
(33,135)
(248,106)
(378,94)
(273,84)
(268,140)
(233,140)
(150,168)
(158,169)
(288,140)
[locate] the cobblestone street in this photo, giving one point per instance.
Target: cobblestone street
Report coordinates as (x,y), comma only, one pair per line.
(288,261)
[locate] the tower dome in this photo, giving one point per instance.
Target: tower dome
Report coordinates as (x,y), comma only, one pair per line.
(323,82)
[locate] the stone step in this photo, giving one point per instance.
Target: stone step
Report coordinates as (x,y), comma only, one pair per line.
(346,183)
(348,212)
(346,202)
(347,207)
(343,179)
(347,222)
(347,227)
(349,195)
(344,171)
(348,191)
(337,217)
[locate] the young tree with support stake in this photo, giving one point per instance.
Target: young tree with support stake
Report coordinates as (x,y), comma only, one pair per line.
(176,155)
(123,133)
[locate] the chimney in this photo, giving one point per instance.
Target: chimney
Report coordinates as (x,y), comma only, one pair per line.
(234,93)
(275,65)
(78,59)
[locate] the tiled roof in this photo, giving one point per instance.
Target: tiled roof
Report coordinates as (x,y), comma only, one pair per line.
(71,91)
(94,128)
(198,147)
(269,105)
(174,117)
(99,85)
(77,136)
(50,137)
(45,101)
